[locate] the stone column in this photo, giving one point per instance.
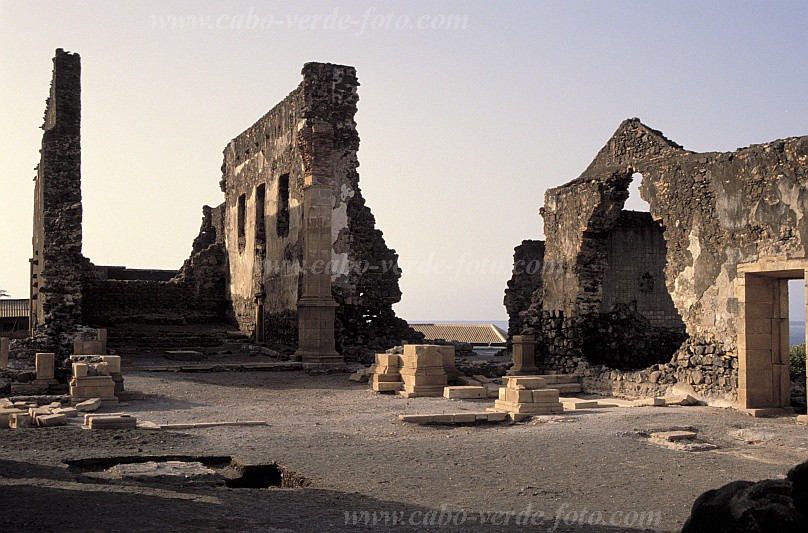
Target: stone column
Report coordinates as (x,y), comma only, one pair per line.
(524,356)
(317,308)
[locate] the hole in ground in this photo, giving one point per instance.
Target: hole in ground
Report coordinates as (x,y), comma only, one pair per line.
(219,470)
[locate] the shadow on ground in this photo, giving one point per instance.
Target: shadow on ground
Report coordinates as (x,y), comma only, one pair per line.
(47,498)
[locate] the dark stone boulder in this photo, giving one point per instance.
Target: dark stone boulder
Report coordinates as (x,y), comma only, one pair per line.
(771,505)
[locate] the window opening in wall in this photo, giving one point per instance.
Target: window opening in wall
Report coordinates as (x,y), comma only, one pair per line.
(635,201)
(282,225)
(242,218)
(260,223)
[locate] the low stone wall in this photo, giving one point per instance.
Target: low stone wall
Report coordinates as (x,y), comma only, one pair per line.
(195,295)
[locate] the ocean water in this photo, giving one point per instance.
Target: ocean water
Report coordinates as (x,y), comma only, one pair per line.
(796,329)
(797,332)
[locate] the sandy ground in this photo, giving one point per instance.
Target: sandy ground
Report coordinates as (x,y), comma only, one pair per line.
(584,471)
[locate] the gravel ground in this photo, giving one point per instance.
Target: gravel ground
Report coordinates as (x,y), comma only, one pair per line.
(574,469)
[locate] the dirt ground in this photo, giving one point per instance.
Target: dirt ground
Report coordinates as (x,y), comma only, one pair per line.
(584,471)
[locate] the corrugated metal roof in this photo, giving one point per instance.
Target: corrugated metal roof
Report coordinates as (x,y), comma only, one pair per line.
(470,333)
(13,308)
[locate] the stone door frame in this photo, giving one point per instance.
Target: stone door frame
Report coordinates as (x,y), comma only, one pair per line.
(763,331)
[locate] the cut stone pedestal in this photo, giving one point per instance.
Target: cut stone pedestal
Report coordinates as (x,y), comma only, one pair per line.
(422,371)
(4,348)
(386,375)
(316,332)
(528,395)
(45,369)
(449,367)
(85,387)
(524,356)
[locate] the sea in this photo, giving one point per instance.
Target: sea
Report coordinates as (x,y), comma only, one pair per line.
(797,332)
(796,328)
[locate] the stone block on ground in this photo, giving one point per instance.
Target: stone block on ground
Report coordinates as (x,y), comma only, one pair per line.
(577,403)
(387,386)
(19,420)
(518,395)
(525,382)
(112,422)
(682,399)
(649,402)
(465,392)
(114,362)
(673,436)
(88,405)
(359,377)
(5,413)
(51,420)
(36,412)
(421,391)
(386,377)
(92,387)
(81,370)
(467,381)
(69,412)
(465,418)
(529,408)
(422,356)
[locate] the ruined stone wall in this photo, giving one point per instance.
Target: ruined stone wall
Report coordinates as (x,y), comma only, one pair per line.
(194,294)
(635,273)
(266,261)
(134,274)
(57,264)
(526,280)
(67,291)
(265,252)
(717,210)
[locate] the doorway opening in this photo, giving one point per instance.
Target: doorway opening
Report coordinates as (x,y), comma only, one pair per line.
(796,359)
(765,334)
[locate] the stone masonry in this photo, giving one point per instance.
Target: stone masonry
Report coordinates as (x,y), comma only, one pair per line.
(57,263)
(604,307)
(264,178)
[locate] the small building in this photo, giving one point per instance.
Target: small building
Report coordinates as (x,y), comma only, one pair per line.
(14,317)
(475,334)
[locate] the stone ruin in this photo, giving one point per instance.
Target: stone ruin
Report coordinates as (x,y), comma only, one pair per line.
(293,204)
(292,256)
(692,294)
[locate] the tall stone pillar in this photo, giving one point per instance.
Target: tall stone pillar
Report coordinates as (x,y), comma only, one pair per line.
(524,356)
(317,308)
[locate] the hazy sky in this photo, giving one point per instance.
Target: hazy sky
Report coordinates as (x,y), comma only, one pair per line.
(462,129)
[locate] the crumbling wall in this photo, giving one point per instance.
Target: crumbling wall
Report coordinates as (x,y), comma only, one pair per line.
(717,210)
(195,294)
(67,291)
(57,264)
(641,280)
(526,280)
(263,174)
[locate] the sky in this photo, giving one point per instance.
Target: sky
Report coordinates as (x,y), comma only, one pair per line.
(468,112)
